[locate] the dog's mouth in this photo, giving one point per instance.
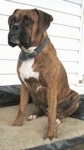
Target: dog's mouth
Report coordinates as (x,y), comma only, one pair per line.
(14,39)
(20,39)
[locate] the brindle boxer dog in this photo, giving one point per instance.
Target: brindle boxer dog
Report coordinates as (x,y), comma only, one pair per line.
(42,75)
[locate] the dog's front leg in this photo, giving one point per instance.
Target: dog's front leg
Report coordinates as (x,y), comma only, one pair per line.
(24,97)
(52,104)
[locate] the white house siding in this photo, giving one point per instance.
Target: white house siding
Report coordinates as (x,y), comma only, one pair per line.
(64,32)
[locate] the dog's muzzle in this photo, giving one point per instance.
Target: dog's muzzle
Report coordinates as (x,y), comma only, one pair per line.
(13,36)
(18,36)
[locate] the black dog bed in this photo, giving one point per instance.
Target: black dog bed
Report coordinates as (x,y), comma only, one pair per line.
(30,135)
(10,95)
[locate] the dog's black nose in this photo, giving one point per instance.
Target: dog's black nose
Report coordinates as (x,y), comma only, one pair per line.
(16,27)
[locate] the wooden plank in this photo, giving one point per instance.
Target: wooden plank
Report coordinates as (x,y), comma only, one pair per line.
(63,31)
(13,79)
(7,52)
(68,56)
(4,37)
(57,5)
(4,22)
(9,80)
(75,1)
(9,7)
(57,40)
(8,67)
(72,79)
(58,18)
(64,43)
(57,31)
(71,67)
(65,19)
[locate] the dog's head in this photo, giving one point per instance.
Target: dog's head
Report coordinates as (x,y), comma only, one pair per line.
(27,26)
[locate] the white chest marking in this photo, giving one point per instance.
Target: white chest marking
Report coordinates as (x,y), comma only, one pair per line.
(26,70)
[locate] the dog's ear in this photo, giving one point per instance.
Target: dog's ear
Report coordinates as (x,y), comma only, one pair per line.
(15,11)
(43,21)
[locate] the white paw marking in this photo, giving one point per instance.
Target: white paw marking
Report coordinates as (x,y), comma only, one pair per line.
(58,121)
(31,117)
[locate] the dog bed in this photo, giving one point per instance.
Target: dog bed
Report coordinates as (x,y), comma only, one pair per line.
(30,136)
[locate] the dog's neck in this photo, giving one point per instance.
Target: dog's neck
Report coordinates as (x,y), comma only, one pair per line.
(32,52)
(29,50)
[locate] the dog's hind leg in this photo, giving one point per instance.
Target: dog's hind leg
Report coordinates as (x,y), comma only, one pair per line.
(68,105)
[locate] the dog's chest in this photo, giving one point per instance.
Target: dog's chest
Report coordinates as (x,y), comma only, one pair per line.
(26,70)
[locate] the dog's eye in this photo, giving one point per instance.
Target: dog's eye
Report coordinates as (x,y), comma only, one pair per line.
(27,21)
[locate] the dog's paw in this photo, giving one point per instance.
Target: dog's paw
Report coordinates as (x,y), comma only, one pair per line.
(17,123)
(50,134)
(31,117)
(58,121)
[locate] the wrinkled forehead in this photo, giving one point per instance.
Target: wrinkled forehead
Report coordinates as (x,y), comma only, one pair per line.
(20,13)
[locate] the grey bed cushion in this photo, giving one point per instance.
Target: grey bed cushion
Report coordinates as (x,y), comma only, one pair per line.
(30,135)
